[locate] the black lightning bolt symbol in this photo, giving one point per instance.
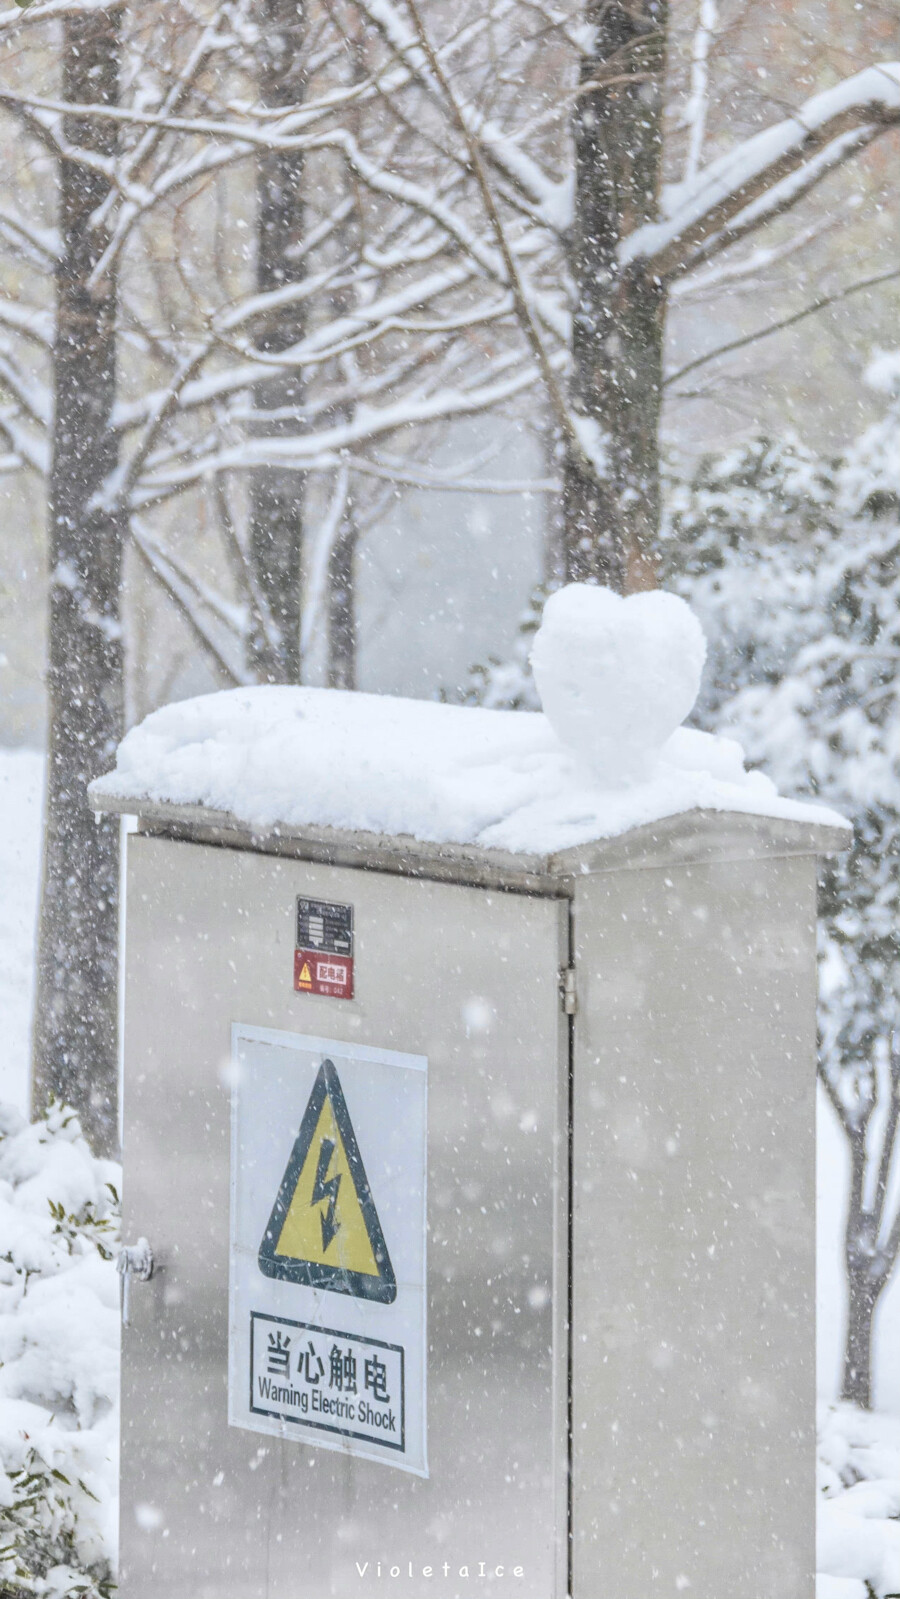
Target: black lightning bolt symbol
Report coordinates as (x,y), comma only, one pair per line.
(326,1190)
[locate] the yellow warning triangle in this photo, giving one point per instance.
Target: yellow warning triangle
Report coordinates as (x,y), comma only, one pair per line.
(324,1230)
(324,1223)
(305,975)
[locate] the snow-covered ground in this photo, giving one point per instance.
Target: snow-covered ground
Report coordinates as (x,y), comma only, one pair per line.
(860,1455)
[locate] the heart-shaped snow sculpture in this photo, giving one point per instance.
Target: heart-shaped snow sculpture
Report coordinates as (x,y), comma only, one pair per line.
(617,676)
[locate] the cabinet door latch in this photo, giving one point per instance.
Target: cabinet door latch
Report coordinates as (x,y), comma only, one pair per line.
(135,1264)
(567,994)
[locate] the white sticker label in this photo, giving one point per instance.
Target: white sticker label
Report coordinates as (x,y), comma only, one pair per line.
(327,1320)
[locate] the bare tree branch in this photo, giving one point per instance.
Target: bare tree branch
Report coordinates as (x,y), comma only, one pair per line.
(821,304)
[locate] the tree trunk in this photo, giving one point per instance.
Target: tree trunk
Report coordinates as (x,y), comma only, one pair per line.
(856,1383)
(612,514)
(342,606)
(276,496)
(75,1053)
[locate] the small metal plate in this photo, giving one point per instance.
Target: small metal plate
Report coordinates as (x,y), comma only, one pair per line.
(325,927)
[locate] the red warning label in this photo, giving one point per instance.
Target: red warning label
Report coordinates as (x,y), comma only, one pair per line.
(318,973)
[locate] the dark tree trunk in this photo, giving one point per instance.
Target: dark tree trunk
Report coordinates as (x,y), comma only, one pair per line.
(75,1053)
(276,496)
(867,1261)
(342,606)
(612,516)
(856,1382)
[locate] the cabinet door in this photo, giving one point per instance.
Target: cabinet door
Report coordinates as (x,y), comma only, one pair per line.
(465,980)
(693,1231)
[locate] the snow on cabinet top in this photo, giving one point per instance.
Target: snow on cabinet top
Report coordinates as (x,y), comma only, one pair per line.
(616,678)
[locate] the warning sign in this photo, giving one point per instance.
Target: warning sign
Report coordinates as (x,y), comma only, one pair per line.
(324,1229)
(327,1339)
(323,974)
(323,958)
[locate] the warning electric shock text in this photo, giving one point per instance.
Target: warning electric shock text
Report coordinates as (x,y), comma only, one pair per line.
(338,1382)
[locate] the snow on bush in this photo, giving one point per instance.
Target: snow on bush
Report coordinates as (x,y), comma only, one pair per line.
(59,1356)
(804,609)
(858,1541)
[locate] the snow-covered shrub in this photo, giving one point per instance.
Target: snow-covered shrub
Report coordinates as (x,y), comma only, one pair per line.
(804,621)
(858,1553)
(805,673)
(59,1341)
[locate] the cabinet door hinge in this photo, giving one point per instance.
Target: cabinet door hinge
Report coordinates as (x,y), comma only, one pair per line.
(567,995)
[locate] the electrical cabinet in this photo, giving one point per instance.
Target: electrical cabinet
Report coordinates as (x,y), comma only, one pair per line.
(480,1198)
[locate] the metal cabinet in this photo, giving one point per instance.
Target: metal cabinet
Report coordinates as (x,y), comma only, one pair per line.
(599,1185)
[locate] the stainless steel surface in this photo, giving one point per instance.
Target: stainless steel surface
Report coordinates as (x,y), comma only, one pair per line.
(470,979)
(693,1233)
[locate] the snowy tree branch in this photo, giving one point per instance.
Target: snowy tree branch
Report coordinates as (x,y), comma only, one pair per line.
(323,451)
(523,301)
(35,243)
(324,541)
(709,206)
(32,453)
(550,200)
(183,592)
(32,397)
(19,18)
(695,111)
(241,564)
(28,321)
(452,483)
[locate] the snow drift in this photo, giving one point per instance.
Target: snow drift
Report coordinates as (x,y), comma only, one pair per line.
(618,676)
